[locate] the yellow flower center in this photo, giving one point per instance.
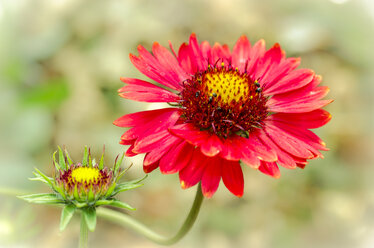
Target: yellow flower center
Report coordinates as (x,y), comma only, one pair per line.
(228,86)
(85,174)
(223,101)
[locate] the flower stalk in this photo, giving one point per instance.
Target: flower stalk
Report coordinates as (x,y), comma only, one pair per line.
(82,186)
(83,236)
(128,222)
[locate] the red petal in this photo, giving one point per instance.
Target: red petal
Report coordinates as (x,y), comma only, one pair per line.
(144,117)
(232,148)
(209,144)
(159,149)
(172,49)
(260,149)
(196,52)
(240,53)
(177,158)
(277,72)
(306,103)
(294,80)
(142,91)
(256,53)
(297,107)
(220,55)
(153,141)
(143,129)
(186,59)
(249,158)
(169,62)
(206,50)
(226,52)
(151,67)
(270,60)
(302,166)
(129,152)
(127,142)
(211,177)
(270,168)
(148,168)
(314,119)
(193,135)
(304,135)
(192,173)
(212,146)
(284,158)
(300,92)
(287,141)
(232,177)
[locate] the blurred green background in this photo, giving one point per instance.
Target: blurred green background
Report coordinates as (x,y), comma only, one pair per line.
(60,63)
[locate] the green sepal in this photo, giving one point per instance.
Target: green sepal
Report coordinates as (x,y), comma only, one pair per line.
(110,189)
(80,204)
(85,157)
(123,172)
(121,175)
(90,217)
(59,190)
(43,198)
(119,204)
(70,162)
(61,158)
(66,215)
(40,176)
(114,203)
(124,187)
(90,164)
(118,164)
(101,163)
(138,180)
(90,195)
(103,202)
(57,166)
(75,193)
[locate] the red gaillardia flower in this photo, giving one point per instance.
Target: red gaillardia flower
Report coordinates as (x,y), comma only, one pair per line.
(249,104)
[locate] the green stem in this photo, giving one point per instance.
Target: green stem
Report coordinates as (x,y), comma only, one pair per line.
(126,221)
(83,237)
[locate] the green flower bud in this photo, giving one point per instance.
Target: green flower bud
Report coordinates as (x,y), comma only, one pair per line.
(84,185)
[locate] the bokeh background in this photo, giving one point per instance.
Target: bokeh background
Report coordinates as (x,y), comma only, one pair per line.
(60,63)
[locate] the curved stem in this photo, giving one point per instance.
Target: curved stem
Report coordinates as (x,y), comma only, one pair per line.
(126,221)
(83,237)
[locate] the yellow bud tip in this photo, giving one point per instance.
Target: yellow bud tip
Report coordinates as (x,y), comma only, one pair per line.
(262,42)
(183,185)
(208,194)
